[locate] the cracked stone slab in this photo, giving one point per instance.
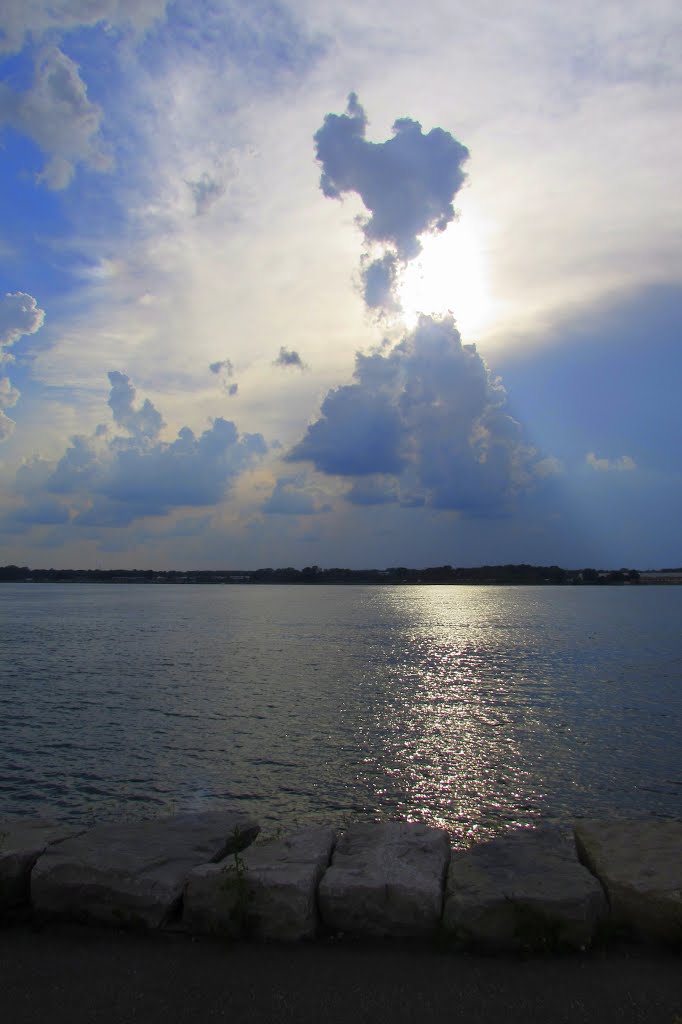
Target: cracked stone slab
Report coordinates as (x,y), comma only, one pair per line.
(639,863)
(386,879)
(268,892)
(22,841)
(524,890)
(133,873)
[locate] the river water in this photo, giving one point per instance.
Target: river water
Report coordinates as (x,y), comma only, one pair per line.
(473,708)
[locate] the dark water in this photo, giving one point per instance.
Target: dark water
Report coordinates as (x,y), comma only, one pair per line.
(474,708)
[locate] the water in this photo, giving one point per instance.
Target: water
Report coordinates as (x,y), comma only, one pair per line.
(473,708)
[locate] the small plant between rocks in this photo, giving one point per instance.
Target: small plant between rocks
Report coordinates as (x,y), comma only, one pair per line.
(236,889)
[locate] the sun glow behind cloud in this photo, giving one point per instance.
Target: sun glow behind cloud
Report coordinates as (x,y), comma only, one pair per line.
(519,177)
(451,274)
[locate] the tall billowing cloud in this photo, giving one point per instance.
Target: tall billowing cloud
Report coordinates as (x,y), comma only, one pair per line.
(424,423)
(57,115)
(407,183)
(19,315)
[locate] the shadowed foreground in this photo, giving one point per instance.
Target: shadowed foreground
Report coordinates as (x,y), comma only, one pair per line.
(71,975)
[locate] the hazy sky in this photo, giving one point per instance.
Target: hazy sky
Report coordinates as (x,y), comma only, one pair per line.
(340,284)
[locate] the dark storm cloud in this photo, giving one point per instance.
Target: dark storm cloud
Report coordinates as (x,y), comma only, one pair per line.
(407,183)
(428,414)
(289,357)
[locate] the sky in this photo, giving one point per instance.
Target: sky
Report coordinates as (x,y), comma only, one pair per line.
(340,284)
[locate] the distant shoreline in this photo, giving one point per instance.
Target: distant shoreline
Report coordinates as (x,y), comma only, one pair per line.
(446,575)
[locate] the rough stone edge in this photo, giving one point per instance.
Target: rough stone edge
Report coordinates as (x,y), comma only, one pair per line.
(128,917)
(390,888)
(620,898)
(609,930)
(525,923)
(233,917)
(18,864)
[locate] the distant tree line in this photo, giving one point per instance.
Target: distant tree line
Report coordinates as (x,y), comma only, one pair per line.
(313,574)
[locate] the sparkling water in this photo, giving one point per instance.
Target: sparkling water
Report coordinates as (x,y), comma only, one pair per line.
(473,708)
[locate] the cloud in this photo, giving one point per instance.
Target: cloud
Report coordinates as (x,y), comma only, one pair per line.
(7,426)
(223,366)
(623,464)
(48,512)
(19,315)
(57,114)
(130,482)
(379,278)
(111,481)
(407,184)
(36,17)
(205,192)
(289,357)
(548,467)
(373,490)
(429,415)
(359,432)
(145,422)
(289,498)
(9,395)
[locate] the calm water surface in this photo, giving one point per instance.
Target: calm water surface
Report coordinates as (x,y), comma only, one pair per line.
(474,708)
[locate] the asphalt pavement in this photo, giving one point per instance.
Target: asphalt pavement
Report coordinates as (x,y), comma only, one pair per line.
(75,975)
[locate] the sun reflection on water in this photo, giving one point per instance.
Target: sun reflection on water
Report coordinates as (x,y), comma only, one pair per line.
(449,747)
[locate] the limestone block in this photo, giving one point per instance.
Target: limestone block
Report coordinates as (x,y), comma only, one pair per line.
(386,879)
(639,863)
(268,892)
(524,890)
(133,873)
(22,840)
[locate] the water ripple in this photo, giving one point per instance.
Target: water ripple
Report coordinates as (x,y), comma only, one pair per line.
(474,708)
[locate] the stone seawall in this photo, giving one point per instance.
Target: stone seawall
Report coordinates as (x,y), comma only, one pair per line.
(528,889)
